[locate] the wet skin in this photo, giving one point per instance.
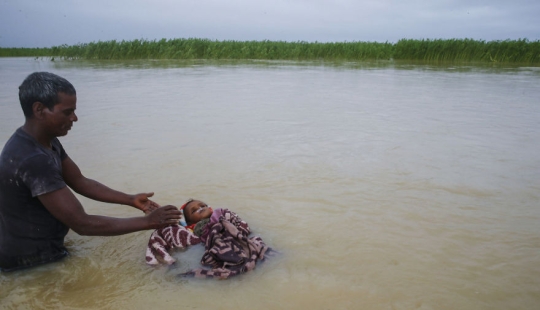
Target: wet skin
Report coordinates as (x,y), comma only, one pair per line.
(60,119)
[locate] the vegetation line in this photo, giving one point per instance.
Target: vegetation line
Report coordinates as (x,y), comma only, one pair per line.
(439,50)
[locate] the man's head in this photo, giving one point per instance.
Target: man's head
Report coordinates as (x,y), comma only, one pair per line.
(43,87)
(196,210)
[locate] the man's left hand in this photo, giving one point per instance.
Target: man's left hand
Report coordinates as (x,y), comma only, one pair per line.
(141,202)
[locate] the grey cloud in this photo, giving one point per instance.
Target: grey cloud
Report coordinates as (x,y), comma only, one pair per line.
(32,23)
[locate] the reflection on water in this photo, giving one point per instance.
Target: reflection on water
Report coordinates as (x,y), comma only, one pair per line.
(385,185)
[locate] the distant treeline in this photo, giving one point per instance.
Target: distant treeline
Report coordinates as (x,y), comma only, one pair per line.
(453,50)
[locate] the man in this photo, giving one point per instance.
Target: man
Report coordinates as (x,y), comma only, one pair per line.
(37,207)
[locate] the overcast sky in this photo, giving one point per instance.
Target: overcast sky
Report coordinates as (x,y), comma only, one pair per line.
(46,23)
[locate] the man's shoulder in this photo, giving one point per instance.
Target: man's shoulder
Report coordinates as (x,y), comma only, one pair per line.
(19,148)
(24,161)
(21,153)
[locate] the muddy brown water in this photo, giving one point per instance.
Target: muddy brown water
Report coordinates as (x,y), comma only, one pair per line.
(383,185)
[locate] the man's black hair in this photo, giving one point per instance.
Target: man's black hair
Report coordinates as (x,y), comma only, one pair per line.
(43,87)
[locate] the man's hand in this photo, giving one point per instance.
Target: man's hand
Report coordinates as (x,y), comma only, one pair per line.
(164,216)
(141,202)
(150,206)
(63,205)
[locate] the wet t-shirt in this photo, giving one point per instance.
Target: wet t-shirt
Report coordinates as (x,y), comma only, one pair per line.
(29,233)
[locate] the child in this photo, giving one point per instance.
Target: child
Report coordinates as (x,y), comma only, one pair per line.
(228,249)
(195,213)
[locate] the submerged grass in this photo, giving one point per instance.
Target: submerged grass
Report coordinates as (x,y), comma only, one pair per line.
(454,50)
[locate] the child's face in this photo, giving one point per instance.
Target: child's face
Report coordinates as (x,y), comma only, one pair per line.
(196,211)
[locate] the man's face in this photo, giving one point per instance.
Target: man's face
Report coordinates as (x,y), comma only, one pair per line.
(196,211)
(60,119)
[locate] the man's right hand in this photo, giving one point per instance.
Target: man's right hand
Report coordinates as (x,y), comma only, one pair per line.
(164,216)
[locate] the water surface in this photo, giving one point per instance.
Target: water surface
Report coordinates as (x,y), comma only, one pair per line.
(383,185)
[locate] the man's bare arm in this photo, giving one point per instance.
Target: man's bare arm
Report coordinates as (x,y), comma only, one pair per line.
(95,190)
(66,208)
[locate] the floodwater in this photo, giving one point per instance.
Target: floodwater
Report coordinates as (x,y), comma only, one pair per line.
(382,185)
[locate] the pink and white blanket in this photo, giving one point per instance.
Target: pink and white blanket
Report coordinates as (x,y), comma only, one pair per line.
(164,239)
(228,249)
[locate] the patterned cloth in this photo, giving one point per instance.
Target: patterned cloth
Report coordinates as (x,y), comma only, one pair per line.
(164,239)
(228,249)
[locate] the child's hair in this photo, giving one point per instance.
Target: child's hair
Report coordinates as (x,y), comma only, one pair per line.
(184,219)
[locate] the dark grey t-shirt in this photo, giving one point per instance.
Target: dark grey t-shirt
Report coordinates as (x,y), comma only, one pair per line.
(29,233)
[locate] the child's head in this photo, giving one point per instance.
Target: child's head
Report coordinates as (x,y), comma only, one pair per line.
(196,210)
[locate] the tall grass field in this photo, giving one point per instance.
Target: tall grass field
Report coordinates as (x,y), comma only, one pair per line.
(439,50)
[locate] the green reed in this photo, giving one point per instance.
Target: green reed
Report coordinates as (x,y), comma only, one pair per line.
(454,50)
(208,49)
(468,50)
(25,52)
